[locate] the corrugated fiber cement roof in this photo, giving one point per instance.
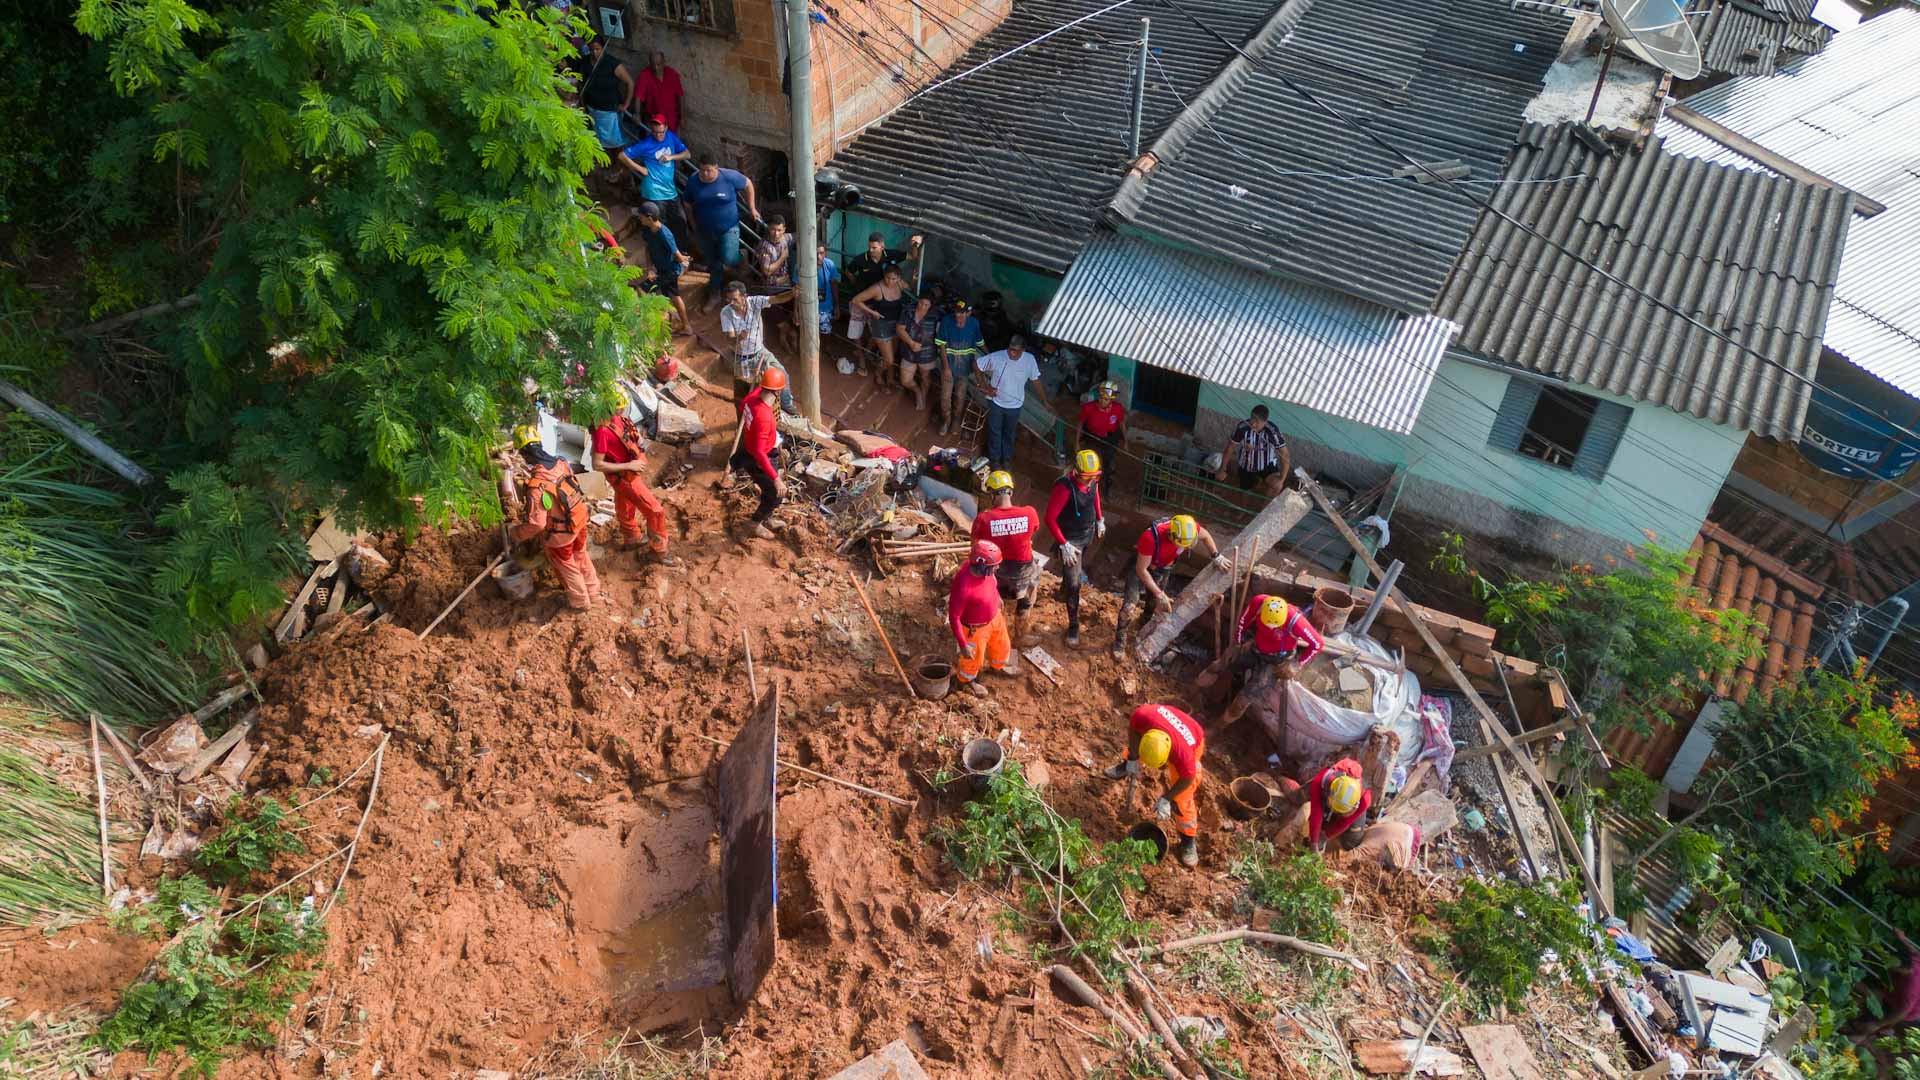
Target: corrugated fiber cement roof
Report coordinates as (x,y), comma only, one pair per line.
(1284,340)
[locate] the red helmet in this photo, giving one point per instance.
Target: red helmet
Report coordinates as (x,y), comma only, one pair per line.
(986,551)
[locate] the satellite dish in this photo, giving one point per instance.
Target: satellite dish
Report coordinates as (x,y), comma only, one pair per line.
(1656,31)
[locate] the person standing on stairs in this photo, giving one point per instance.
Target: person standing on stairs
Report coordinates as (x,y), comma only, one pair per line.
(973,613)
(556,513)
(1011,529)
(1161,736)
(1075,519)
(619,451)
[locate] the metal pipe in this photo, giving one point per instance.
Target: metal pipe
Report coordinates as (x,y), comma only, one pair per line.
(1899,616)
(1380,594)
(1140,87)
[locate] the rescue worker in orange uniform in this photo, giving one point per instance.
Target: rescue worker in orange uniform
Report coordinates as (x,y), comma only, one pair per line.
(1011,529)
(973,611)
(1270,632)
(619,451)
(556,512)
(1334,801)
(1161,736)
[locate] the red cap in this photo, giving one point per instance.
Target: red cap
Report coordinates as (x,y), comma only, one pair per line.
(658,118)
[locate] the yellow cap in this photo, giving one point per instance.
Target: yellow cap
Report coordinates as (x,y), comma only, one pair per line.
(1273,612)
(1086,463)
(621,401)
(1343,792)
(999,480)
(1184,530)
(526,435)
(1154,748)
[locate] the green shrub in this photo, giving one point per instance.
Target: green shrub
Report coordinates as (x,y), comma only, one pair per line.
(1503,931)
(1295,889)
(222,981)
(1076,884)
(251,834)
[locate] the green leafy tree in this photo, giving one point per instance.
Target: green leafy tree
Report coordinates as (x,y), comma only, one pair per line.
(401,265)
(1632,641)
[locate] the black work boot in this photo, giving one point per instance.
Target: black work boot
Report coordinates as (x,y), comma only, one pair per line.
(1073,630)
(1188,851)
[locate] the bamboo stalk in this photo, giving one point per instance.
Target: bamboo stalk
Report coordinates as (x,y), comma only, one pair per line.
(1247,933)
(100,789)
(497,560)
(895,657)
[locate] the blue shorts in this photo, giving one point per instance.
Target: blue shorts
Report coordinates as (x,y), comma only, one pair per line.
(960,365)
(606,128)
(826,319)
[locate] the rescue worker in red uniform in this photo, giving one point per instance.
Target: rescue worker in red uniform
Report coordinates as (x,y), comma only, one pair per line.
(1103,427)
(1334,801)
(1270,632)
(973,612)
(1159,547)
(1075,519)
(556,512)
(1010,528)
(754,443)
(1163,736)
(619,451)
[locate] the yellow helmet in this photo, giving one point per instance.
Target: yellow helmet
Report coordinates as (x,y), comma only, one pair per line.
(999,480)
(1343,791)
(1184,530)
(1154,748)
(1274,612)
(526,435)
(1108,390)
(621,401)
(1086,463)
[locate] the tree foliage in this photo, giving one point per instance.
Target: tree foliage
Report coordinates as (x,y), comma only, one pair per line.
(398,264)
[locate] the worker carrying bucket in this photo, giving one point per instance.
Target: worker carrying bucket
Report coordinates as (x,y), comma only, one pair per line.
(1161,736)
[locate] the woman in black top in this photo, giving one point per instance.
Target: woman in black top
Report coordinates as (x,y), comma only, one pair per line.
(882,304)
(605,90)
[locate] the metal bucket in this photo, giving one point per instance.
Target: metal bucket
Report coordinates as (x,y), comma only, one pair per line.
(931,675)
(1331,609)
(1154,833)
(513,580)
(1248,798)
(981,759)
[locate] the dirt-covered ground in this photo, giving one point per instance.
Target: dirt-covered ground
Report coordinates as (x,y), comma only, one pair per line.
(536,756)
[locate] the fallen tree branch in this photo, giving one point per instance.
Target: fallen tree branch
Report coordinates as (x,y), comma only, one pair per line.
(74,433)
(1088,996)
(353,847)
(122,319)
(100,788)
(1248,933)
(119,748)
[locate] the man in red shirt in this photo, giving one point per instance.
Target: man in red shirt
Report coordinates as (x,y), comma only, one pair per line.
(1158,548)
(1333,802)
(1075,519)
(1161,735)
(1103,427)
(657,91)
(973,613)
(1270,632)
(556,513)
(1011,529)
(754,441)
(619,451)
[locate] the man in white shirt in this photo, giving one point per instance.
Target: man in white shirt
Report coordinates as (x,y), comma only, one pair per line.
(1004,376)
(741,320)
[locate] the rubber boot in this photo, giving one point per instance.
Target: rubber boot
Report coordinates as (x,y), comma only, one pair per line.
(1188,851)
(1073,628)
(1120,629)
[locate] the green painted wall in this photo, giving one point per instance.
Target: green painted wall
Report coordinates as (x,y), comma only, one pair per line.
(1664,475)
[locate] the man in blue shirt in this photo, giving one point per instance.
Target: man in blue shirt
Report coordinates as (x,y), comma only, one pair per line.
(829,275)
(959,341)
(713,198)
(653,159)
(664,261)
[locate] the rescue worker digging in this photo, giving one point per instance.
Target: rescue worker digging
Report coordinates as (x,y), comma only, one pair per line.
(556,512)
(1159,547)
(1075,519)
(1331,804)
(1010,528)
(1162,736)
(973,611)
(619,451)
(1271,634)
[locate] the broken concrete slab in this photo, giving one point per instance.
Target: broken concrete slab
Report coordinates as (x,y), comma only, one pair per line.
(893,1061)
(1501,1052)
(678,424)
(176,747)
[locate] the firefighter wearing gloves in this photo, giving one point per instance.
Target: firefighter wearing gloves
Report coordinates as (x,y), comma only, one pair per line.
(620,452)
(973,612)
(1159,547)
(1333,803)
(556,513)
(1011,529)
(1161,736)
(1075,519)
(1271,632)
(754,443)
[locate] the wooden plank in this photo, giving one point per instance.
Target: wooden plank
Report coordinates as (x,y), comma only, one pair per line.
(1635,1024)
(294,610)
(1487,723)
(1474,753)
(746,798)
(1778,162)
(218,748)
(1266,529)
(1398,1057)
(219,703)
(1500,1052)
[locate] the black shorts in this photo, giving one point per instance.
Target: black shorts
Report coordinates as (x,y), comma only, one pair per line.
(1248,479)
(1017,579)
(668,287)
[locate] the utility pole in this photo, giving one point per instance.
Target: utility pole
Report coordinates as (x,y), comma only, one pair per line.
(806,221)
(1140,86)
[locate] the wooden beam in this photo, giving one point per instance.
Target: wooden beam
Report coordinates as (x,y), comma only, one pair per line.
(1774,160)
(1474,753)
(74,433)
(1265,530)
(1460,680)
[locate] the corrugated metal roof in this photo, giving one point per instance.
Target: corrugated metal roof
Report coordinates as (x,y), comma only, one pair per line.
(1851,114)
(1753,37)
(1273,182)
(1046,130)
(1751,255)
(1293,342)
